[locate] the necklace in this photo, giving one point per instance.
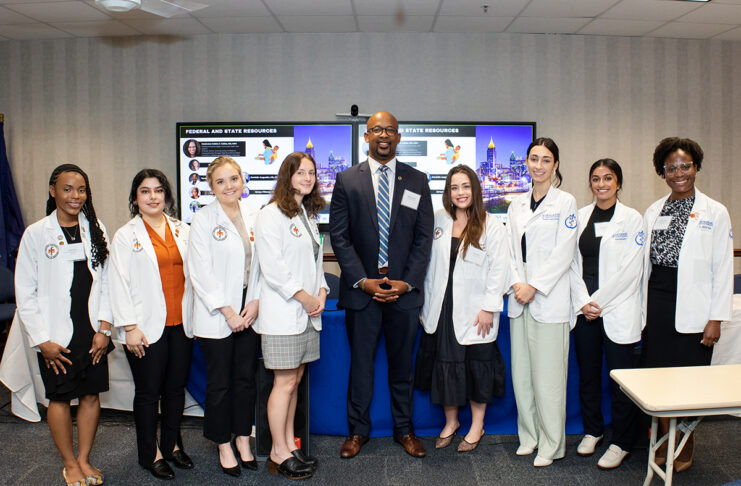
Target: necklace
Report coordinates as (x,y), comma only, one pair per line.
(69,234)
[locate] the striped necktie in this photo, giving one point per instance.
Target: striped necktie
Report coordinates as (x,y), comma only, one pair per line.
(384,215)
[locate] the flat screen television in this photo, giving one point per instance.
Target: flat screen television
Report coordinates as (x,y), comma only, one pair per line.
(495,150)
(259,149)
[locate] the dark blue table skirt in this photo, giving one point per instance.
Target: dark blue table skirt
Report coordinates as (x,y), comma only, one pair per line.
(329,378)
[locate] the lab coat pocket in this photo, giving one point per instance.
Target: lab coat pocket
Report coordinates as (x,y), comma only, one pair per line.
(475,256)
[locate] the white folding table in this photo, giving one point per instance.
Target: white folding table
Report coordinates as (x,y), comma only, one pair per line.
(693,391)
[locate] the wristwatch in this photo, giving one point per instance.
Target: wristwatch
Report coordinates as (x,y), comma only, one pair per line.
(105,332)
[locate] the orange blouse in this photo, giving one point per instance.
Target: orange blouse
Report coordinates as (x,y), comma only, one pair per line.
(171,273)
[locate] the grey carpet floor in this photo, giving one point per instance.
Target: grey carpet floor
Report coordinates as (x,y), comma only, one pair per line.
(28,457)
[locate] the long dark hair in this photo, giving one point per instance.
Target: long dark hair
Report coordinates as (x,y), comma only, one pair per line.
(97,240)
(550,145)
(475,212)
(283,192)
(613,166)
(162,178)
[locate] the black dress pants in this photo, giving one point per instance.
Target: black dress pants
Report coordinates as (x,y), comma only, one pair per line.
(159,382)
(231,370)
(590,340)
(400,327)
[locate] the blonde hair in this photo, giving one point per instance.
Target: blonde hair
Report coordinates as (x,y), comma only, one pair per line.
(219,162)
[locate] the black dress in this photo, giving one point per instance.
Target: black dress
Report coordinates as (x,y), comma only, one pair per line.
(82,377)
(456,373)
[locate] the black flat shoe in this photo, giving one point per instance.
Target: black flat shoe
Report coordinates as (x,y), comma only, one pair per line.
(161,470)
(308,460)
(251,465)
(291,468)
(181,459)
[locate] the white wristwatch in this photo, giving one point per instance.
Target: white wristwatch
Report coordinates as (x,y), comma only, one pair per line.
(105,332)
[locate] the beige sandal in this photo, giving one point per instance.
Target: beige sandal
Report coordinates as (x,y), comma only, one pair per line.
(465,446)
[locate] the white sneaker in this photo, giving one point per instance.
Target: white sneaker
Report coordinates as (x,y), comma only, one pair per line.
(524,450)
(588,444)
(612,457)
(542,461)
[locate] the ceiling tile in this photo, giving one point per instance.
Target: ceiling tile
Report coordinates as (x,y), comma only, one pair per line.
(392,7)
(565,9)
(31,31)
(715,14)
(483,23)
(242,25)
(106,28)
(232,8)
(649,10)
(8,17)
(631,28)
(500,8)
(537,25)
(60,11)
(733,34)
(318,23)
(686,30)
(310,7)
(184,27)
(388,23)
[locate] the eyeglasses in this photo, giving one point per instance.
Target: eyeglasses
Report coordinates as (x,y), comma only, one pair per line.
(390,131)
(684,167)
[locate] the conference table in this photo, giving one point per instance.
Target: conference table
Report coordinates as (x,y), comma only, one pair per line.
(692,391)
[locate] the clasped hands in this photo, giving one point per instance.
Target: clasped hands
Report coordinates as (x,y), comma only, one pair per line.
(240,321)
(372,287)
(524,293)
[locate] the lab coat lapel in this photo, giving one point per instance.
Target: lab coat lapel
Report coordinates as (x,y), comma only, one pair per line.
(141,236)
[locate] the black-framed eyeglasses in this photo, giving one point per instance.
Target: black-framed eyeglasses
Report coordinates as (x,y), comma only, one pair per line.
(390,131)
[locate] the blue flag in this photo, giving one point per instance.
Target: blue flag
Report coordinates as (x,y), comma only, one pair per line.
(11,221)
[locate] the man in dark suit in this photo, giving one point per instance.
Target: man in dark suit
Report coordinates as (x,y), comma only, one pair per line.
(381,223)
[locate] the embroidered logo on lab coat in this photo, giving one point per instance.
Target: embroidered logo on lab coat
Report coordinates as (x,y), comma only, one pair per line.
(51,251)
(293,229)
(219,233)
(438,232)
(137,247)
(640,237)
(570,221)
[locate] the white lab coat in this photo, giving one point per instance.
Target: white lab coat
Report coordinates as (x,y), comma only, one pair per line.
(551,241)
(216,267)
(135,282)
(479,280)
(620,270)
(285,253)
(705,267)
(43,277)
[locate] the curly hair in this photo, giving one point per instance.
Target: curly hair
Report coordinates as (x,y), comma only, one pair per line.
(97,239)
(162,178)
(550,145)
(670,145)
(283,192)
(476,212)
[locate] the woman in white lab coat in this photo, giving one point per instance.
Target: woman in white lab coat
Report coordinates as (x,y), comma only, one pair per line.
(458,358)
(606,297)
(292,292)
(61,291)
(152,301)
(688,270)
(541,225)
(220,250)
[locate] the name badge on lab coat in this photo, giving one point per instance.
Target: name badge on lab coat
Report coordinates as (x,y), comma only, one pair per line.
(662,223)
(599,229)
(73,252)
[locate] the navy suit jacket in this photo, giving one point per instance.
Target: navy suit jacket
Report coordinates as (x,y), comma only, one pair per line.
(353,228)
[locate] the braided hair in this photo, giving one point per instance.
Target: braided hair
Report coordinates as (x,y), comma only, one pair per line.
(98,243)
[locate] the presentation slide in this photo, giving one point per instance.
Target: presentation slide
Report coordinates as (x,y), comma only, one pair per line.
(496,151)
(259,149)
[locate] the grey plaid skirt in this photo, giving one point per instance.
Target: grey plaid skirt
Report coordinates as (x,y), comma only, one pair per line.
(288,352)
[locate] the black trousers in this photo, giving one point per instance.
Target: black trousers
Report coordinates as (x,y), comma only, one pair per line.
(231,370)
(364,328)
(590,340)
(159,383)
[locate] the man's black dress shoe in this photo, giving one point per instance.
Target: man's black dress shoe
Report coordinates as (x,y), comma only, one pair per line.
(161,470)
(181,459)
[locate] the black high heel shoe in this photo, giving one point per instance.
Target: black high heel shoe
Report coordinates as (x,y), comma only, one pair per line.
(291,468)
(251,465)
(303,458)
